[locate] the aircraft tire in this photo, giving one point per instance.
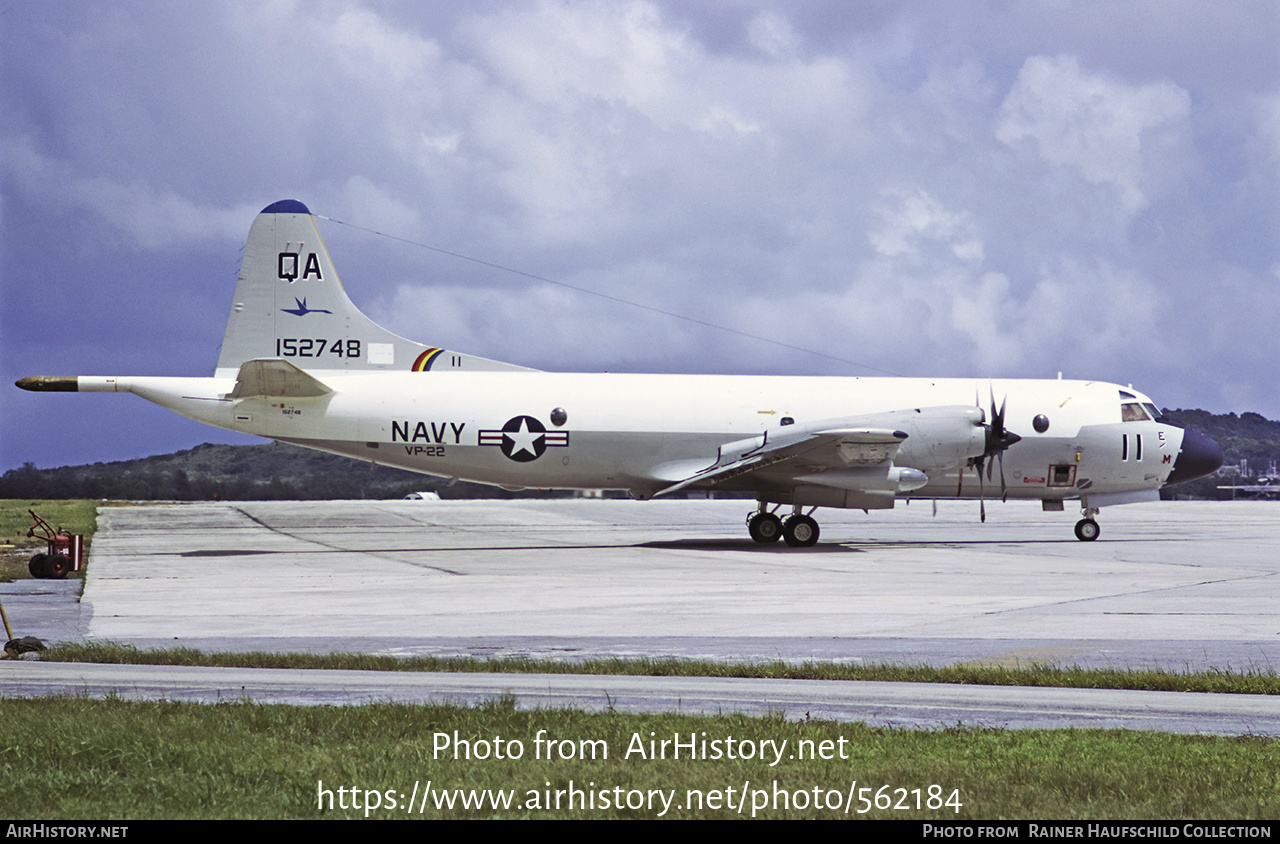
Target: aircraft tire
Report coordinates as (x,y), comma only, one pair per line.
(800,531)
(39,566)
(765,527)
(57,566)
(1087,530)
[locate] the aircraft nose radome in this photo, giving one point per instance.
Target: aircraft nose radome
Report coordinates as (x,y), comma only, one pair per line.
(1199,456)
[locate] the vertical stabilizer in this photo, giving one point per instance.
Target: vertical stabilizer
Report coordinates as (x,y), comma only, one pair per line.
(289,304)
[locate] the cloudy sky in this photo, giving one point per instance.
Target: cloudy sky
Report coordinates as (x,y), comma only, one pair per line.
(930,188)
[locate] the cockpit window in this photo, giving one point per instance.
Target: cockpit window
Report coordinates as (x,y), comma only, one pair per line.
(1132,411)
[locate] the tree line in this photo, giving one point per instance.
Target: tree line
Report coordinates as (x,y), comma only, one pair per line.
(276,471)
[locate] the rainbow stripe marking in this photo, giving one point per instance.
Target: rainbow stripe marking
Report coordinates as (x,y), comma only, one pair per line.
(424,360)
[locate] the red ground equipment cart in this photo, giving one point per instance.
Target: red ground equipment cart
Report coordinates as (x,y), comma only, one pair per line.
(65,551)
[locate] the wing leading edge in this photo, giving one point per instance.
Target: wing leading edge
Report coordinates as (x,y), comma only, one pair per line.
(820,446)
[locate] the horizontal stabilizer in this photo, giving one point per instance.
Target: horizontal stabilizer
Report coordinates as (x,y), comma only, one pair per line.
(276,378)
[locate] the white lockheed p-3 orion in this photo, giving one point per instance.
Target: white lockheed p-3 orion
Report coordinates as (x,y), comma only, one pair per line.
(301,364)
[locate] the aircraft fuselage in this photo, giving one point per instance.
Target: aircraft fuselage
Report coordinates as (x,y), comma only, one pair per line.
(643,432)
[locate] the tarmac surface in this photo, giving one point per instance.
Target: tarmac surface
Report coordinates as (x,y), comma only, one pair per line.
(1178,585)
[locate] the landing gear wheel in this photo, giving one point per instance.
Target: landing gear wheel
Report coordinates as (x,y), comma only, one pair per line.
(765,527)
(39,565)
(1087,530)
(800,531)
(57,566)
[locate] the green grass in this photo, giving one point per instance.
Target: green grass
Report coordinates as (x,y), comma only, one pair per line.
(75,515)
(104,759)
(1033,675)
(72,516)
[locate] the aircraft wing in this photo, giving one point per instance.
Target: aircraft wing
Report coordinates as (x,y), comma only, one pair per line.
(816,449)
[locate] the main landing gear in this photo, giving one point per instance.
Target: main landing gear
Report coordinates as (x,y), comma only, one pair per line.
(798,531)
(764,527)
(1087,529)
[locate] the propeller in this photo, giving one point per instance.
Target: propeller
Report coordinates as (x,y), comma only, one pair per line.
(998,438)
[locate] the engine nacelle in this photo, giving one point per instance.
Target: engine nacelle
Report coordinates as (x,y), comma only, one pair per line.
(941,437)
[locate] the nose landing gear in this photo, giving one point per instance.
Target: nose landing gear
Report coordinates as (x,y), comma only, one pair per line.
(1087,529)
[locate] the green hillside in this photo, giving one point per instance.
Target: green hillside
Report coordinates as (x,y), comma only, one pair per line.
(275,471)
(1248,436)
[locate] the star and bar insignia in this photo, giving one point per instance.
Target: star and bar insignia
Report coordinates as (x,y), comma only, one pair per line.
(524,438)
